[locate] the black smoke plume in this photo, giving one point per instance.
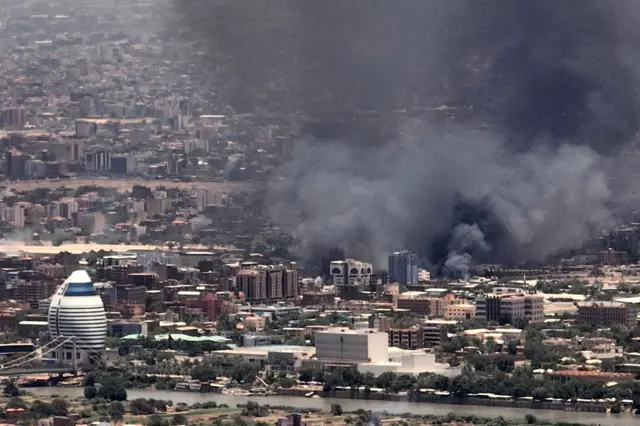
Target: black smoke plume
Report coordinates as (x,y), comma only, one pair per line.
(428,115)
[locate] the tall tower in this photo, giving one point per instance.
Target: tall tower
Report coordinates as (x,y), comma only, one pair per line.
(77,311)
(403,268)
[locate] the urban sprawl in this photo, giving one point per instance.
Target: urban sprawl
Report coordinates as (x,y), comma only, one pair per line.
(138,257)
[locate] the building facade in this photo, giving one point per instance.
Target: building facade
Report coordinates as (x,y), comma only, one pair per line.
(403,268)
(346,273)
(340,345)
(507,307)
(260,282)
(606,314)
(406,338)
(77,311)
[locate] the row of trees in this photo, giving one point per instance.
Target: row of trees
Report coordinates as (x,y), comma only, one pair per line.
(520,383)
(38,409)
(110,388)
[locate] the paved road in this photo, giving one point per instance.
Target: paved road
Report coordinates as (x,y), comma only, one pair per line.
(127,184)
(15,372)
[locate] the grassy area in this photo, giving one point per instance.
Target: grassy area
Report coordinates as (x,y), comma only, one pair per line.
(190,413)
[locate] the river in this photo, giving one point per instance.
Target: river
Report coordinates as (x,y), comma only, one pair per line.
(355,404)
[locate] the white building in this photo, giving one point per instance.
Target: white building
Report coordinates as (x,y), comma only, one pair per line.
(342,345)
(403,361)
(350,273)
(77,311)
(368,350)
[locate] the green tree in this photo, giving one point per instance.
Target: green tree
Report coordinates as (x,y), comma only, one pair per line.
(336,409)
(385,380)
(59,407)
(40,409)
(239,421)
(540,393)
(112,389)
(530,419)
(16,402)
(253,409)
(116,411)
(156,420)
(11,389)
(608,365)
(141,406)
(90,392)
(306,375)
(179,419)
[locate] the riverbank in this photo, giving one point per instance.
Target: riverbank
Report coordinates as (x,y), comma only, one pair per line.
(425,397)
(394,407)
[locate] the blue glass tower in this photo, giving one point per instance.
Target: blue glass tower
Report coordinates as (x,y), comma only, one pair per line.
(403,268)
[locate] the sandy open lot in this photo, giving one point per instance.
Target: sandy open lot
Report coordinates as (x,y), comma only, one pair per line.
(127,184)
(17,247)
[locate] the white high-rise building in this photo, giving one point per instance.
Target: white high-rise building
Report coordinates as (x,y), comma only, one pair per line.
(77,311)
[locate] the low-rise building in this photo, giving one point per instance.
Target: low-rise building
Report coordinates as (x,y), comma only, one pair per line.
(254,322)
(507,307)
(434,331)
(456,309)
(421,303)
(606,314)
(406,338)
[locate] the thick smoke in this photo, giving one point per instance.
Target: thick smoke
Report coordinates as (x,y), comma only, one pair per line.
(408,194)
(541,93)
(465,240)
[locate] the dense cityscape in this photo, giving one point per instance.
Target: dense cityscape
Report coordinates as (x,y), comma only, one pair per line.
(154,271)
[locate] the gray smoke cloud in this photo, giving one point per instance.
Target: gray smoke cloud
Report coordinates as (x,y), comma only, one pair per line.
(542,95)
(407,193)
(465,240)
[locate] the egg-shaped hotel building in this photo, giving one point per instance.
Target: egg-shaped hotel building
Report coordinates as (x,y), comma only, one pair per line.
(76,310)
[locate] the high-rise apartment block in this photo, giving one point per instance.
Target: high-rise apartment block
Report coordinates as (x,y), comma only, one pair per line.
(403,268)
(262,283)
(13,118)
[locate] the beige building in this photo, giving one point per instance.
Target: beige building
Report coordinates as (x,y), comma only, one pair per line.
(460,311)
(421,303)
(254,322)
(457,309)
(510,306)
(606,314)
(351,273)
(252,283)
